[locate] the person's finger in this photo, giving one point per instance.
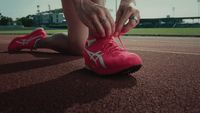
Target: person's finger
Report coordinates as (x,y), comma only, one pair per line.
(138,16)
(91,27)
(106,24)
(118,16)
(105,21)
(112,23)
(130,25)
(125,16)
(133,22)
(98,25)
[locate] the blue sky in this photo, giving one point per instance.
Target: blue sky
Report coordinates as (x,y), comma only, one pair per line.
(148,8)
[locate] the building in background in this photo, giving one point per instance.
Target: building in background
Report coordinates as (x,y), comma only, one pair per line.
(53,17)
(50,17)
(58,18)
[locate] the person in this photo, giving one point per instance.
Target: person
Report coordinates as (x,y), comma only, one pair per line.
(91,32)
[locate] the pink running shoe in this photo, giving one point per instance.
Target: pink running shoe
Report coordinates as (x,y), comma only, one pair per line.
(27,41)
(105,57)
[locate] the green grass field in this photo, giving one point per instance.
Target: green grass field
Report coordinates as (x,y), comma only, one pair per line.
(138,31)
(166,31)
(19,32)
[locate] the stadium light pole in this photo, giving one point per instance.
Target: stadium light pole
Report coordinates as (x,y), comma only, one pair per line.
(38,15)
(116,5)
(173,11)
(38,8)
(49,6)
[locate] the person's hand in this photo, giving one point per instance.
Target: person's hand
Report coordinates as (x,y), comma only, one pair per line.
(96,17)
(127,17)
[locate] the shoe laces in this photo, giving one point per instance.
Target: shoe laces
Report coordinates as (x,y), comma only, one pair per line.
(111,46)
(121,42)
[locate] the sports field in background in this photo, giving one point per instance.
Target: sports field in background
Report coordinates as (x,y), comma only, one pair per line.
(166,31)
(137,31)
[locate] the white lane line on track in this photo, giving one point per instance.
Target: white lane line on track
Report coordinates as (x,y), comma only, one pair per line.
(159,51)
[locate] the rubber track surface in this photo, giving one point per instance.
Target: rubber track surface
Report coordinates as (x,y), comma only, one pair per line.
(48,82)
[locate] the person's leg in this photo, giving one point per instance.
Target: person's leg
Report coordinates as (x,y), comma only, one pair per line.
(74,42)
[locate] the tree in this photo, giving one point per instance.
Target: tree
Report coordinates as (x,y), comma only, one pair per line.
(6,20)
(18,21)
(25,21)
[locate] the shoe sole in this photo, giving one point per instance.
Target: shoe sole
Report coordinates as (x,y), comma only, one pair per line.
(130,70)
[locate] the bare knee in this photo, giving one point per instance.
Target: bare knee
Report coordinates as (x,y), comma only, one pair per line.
(71,44)
(68,44)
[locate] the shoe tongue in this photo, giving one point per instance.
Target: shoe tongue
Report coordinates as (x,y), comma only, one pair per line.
(90,42)
(93,38)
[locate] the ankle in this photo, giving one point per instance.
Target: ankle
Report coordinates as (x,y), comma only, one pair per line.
(39,44)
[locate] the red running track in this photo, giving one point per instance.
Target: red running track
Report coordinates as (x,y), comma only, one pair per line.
(48,82)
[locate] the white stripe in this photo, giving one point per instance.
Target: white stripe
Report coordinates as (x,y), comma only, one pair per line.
(96,56)
(26,41)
